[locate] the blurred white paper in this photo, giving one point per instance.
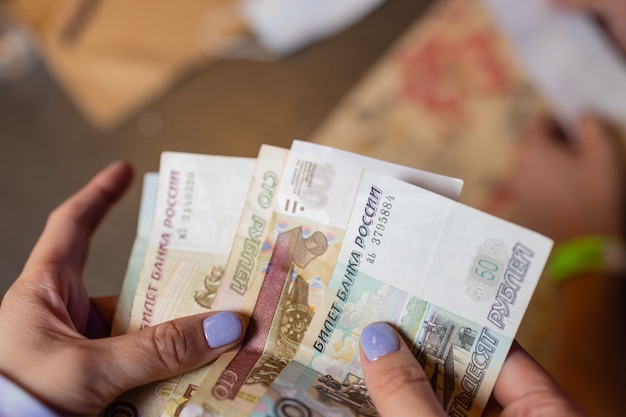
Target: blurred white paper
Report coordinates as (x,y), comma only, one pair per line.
(567,56)
(284,26)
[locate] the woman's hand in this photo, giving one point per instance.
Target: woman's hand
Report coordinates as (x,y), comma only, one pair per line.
(47,320)
(399,386)
(565,187)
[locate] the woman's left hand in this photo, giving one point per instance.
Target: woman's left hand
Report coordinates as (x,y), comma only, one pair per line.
(53,337)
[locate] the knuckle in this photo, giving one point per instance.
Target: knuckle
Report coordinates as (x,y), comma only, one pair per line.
(401,376)
(171,345)
(56,216)
(62,213)
(65,215)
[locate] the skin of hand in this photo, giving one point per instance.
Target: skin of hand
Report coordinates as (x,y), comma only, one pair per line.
(565,187)
(53,336)
(568,188)
(611,12)
(399,386)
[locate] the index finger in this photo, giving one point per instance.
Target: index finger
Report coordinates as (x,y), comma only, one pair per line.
(65,239)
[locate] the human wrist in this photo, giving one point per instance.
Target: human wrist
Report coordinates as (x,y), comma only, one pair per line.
(587,255)
(17,402)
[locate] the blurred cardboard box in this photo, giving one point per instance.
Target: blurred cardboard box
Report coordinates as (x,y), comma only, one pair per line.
(113,56)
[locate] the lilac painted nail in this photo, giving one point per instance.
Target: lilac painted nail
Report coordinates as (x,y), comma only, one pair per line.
(222,329)
(378,340)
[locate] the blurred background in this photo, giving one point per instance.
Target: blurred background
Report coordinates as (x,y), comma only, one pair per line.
(53,137)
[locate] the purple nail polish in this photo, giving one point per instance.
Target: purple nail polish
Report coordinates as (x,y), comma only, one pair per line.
(378,340)
(222,329)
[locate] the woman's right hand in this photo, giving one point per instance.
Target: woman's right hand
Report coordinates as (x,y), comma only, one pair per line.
(399,386)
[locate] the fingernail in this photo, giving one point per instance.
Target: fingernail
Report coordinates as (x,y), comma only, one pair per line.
(222,329)
(378,340)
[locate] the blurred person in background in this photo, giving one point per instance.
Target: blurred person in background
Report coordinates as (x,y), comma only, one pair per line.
(573,189)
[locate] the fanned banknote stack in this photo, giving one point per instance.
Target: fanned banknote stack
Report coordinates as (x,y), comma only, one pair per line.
(312,244)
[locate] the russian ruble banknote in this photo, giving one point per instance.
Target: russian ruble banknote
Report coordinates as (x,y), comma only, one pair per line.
(293,266)
(198,205)
(247,243)
(454,280)
(149,189)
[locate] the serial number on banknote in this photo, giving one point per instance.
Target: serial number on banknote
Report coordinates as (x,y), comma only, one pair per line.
(383,219)
(376,215)
(187,203)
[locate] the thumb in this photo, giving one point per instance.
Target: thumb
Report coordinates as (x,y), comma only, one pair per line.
(395,380)
(171,348)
